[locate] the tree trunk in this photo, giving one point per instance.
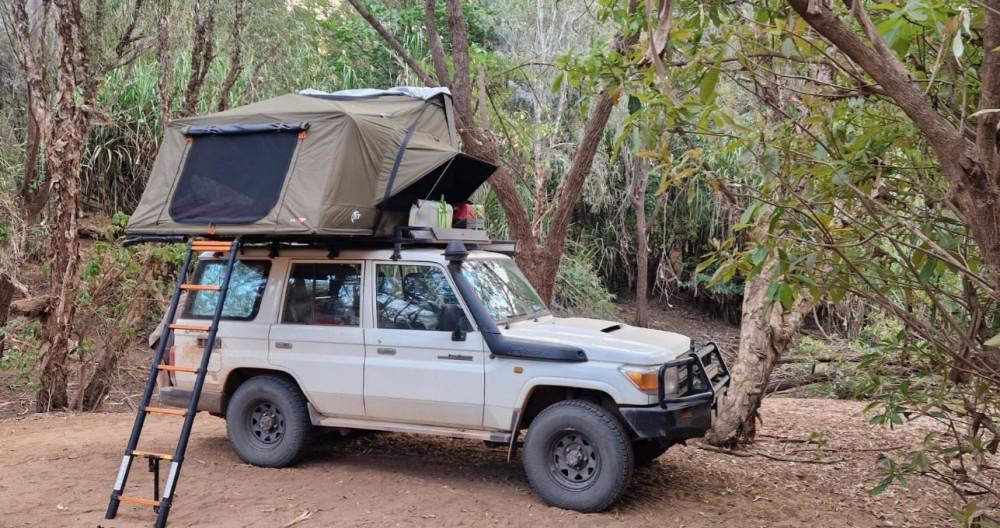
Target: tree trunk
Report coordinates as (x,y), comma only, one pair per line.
(64,155)
(765,332)
(235,56)
(202,55)
(6,295)
(34,184)
(642,246)
(64,164)
(165,57)
(538,260)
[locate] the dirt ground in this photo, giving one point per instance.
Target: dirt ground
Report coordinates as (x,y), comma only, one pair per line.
(57,470)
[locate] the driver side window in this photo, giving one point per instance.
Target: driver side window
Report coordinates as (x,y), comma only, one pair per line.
(413,297)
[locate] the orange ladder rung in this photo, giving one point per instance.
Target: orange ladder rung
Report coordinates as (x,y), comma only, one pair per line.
(177,368)
(201,287)
(211,245)
(167,410)
(197,328)
(138,500)
(150,454)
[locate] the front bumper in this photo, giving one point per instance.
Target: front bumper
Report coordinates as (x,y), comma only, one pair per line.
(688,414)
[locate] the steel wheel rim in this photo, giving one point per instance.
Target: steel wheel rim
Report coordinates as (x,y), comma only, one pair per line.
(267,423)
(573,460)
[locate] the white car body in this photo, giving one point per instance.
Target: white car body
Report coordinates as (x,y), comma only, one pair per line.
(429,383)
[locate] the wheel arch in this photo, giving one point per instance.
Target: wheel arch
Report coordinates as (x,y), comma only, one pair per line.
(239,376)
(543,392)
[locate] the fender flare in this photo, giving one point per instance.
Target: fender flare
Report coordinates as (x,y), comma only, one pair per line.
(569,383)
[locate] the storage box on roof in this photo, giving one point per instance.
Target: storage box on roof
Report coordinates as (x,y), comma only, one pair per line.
(346,163)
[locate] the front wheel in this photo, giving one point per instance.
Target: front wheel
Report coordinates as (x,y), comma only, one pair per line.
(578,456)
(267,422)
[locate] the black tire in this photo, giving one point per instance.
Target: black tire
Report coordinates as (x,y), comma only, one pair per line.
(267,422)
(578,456)
(647,450)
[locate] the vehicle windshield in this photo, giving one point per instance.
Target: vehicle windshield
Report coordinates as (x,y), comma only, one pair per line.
(503,289)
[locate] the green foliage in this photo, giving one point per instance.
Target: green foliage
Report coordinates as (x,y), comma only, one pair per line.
(21,351)
(579,289)
(122,291)
(839,197)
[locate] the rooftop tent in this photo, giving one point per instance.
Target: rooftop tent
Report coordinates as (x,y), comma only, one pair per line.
(312,163)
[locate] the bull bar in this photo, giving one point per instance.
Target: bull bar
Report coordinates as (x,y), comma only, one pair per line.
(697,361)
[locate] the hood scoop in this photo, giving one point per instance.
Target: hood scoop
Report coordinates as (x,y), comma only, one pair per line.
(612,328)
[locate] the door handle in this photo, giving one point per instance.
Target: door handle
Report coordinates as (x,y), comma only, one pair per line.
(387,351)
(283,345)
(456,357)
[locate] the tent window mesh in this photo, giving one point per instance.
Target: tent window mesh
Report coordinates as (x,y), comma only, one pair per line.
(232,178)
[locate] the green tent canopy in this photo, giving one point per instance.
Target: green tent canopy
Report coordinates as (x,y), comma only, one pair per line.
(313,163)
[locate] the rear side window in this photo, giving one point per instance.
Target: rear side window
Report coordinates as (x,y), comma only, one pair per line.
(323,294)
(246,288)
(234,176)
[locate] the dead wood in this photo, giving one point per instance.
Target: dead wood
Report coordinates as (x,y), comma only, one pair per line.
(777,458)
(802,381)
(32,306)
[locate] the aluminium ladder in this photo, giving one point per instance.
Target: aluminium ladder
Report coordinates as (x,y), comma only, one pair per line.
(162,504)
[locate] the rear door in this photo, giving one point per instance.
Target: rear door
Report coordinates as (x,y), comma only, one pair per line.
(414,372)
(319,335)
(239,333)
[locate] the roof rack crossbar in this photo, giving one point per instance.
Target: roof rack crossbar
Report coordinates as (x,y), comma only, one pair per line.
(403,236)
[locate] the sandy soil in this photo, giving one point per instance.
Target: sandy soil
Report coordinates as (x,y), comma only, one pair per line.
(58,470)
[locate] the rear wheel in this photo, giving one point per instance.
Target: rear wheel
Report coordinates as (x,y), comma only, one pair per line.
(267,422)
(577,456)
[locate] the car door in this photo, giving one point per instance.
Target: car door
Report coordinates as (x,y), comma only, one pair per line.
(414,370)
(319,335)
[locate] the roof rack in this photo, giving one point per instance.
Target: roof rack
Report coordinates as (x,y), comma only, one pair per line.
(404,236)
(407,235)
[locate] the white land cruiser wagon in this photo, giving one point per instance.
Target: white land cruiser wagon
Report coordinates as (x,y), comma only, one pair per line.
(441,341)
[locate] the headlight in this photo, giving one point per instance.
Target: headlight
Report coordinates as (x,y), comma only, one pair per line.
(671,380)
(644,378)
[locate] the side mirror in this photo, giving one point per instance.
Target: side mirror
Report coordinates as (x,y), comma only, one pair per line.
(454,320)
(458,334)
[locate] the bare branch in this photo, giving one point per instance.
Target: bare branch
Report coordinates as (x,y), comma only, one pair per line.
(461,84)
(658,41)
(393,42)
(201,55)
(235,56)
(437,49)
(886,69)
(572,183)
(123,54)
(164,56)
(255,73)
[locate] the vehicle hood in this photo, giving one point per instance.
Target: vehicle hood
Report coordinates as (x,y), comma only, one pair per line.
(603,340)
